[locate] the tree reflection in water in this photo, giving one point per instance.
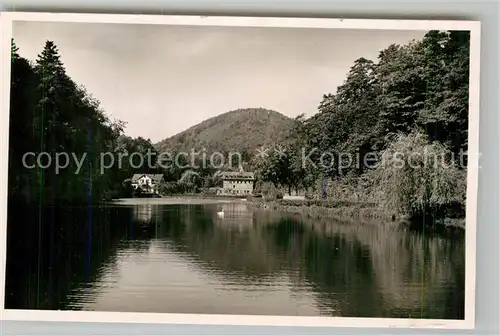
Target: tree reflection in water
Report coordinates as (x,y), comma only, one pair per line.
(308,267)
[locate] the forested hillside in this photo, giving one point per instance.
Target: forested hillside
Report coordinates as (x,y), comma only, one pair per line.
(243,130)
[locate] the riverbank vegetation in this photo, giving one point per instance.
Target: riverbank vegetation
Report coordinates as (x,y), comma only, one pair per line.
(394,134)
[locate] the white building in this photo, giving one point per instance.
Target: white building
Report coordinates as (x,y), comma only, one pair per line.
(237,183)
(147,182)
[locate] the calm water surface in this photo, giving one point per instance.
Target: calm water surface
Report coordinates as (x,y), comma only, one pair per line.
(156,255)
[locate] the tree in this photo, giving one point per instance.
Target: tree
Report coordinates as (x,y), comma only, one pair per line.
(418,178)
(55,90)
(127,189)
(283,167)
(23,135)
(214,180)
(445,113)
(419,87)
(346,124)
(134,156)
(51,113)
(400,75)
(191,180)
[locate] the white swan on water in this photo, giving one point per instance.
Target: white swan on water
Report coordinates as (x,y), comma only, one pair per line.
(220,213)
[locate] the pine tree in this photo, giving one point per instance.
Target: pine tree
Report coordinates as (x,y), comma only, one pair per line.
(13,50)
(52,75)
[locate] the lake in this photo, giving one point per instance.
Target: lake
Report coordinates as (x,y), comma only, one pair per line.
(178,256)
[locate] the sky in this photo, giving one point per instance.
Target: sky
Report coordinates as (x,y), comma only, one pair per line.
(163,79)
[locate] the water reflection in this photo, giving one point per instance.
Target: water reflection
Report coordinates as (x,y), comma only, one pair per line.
(144,212)
(236,216)
(184,258)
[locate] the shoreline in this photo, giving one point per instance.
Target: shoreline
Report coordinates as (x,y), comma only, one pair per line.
(348,211)
(312,209)
(338,210)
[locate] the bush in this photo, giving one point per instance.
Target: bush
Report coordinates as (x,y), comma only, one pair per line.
(169,188)
(209,191)
(270,192)
(349,188)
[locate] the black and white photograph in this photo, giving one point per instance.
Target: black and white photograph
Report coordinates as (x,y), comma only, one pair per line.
(239,170)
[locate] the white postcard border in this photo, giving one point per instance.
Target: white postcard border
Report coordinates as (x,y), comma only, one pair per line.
(7,19)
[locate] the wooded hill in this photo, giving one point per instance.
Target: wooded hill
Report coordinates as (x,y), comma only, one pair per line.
(242,130)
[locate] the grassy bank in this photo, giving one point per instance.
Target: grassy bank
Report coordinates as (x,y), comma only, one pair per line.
(345,211)
(204,195)
(326,209)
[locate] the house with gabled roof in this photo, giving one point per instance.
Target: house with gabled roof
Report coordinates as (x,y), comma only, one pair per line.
(148,183)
